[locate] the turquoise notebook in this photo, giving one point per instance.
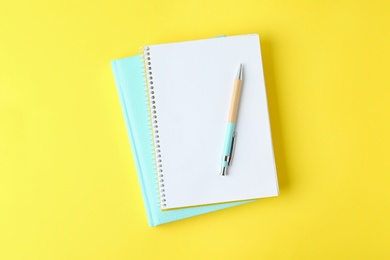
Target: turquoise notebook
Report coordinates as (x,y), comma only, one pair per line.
(130,80)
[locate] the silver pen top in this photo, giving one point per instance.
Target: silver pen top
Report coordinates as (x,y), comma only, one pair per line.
(223,171)
(239,72)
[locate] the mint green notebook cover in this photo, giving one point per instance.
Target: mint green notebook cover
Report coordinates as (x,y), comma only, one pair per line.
(130,81)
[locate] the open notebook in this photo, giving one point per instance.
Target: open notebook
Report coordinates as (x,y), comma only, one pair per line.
(190,87)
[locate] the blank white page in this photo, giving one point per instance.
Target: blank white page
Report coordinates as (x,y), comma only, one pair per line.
(192,89)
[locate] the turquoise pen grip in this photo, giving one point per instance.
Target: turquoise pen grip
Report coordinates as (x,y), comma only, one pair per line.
(227,148)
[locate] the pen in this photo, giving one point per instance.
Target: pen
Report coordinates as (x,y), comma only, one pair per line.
(230,136)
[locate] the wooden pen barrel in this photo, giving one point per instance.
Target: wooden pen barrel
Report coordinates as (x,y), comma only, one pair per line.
(235,101)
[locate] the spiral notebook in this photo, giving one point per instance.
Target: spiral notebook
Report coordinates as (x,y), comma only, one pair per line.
(190,86)
(131,85)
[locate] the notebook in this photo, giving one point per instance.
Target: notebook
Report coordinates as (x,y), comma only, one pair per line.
(190,86)
(130,81)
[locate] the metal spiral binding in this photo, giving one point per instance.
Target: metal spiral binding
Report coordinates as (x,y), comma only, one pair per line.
(154,122)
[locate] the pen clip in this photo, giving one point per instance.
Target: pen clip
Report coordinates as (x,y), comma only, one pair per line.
(232,148)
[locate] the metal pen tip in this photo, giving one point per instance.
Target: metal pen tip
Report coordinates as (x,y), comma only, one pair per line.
(223,171)
(239,72)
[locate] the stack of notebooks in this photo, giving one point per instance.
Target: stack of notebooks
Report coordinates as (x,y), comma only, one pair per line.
(175,99)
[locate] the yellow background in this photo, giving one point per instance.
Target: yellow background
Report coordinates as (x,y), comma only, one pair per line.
(68,187)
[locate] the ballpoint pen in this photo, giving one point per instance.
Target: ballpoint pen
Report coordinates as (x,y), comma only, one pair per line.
(230,136)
